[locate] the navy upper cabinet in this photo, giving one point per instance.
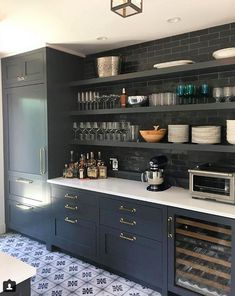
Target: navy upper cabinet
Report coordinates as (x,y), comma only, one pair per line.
(24,69)
(201,256)
(26,122)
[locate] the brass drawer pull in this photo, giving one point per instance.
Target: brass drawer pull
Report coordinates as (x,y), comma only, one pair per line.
(24,207)
(71,207)
(123,208)
(70,196)
(131,223)
(169,225)
(131,239)
(70,221)
(23,180)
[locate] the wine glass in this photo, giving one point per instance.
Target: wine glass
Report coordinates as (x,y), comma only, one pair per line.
(75,129)
(217,94)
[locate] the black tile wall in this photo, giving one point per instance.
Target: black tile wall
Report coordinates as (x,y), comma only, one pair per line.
(197,46)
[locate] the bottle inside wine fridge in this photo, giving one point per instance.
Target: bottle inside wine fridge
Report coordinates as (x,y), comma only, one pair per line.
(203,256)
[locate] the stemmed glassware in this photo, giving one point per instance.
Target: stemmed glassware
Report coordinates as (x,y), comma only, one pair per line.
(75,129)
(91,100)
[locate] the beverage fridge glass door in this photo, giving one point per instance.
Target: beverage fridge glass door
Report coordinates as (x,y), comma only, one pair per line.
(202,256)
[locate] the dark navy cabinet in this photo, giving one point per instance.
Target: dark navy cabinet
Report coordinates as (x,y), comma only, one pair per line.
(200,254)
(35,98)
(75,221)
(24,69)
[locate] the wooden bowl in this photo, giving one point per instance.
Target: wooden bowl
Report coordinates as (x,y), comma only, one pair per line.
(153,136)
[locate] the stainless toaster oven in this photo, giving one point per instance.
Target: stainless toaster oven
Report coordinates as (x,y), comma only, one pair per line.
(213,182)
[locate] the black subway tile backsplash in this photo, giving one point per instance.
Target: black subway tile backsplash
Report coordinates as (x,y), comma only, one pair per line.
(197,46)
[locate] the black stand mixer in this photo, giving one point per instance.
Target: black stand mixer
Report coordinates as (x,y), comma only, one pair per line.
(155,175)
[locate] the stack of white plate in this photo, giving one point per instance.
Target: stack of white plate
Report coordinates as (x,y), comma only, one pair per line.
(206,134)
(231,131)
(178,133)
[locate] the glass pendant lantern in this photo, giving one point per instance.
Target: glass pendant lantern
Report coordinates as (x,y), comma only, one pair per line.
(126,8)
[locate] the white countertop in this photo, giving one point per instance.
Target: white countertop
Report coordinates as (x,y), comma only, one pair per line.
(174,196)
(14,269)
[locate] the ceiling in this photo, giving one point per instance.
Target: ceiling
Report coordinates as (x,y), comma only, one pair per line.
(74,25)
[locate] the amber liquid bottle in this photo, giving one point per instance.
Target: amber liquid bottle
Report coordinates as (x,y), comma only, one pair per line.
(123,98)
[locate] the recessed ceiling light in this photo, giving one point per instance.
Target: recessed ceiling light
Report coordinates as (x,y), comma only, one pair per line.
(102,38)
(174,20)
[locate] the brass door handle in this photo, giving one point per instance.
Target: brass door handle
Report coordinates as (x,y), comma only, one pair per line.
(70,221)
(23,180)
(131,239)
(71,196)
(131,223)
(42,156)
(71,207)
(169,225)
(24,207)
(123,208)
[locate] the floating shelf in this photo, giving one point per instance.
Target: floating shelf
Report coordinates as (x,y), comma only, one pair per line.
(197,68)
(172,108)
(169,146)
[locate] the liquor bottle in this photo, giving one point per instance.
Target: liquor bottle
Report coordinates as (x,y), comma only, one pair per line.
(82,169)
(65,170)
(99,159)
(102,171)
(92,170)
(123,98)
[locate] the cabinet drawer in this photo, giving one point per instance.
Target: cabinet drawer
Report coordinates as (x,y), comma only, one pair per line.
(30,188)
(76,236)
(147,228)
(75,196)
(132,254)
(27,219)
(80,210)
(127,216)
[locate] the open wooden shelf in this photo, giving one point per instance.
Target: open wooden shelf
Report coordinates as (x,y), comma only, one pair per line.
(197,68)
(169,146)
(157,109)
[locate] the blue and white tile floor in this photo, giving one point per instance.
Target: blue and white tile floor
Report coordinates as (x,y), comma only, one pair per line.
(61,275)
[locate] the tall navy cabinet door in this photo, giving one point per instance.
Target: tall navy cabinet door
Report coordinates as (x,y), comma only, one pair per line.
(25,109)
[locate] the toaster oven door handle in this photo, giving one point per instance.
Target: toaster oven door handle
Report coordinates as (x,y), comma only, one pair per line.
(210,174)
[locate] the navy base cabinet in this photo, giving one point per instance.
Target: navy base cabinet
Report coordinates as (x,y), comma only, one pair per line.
(200,254)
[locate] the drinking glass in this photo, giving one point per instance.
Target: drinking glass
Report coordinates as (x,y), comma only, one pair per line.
(190,93)
(204,92)
(75,130)
(180,94)
(134,133)
(228,93)
(218,94)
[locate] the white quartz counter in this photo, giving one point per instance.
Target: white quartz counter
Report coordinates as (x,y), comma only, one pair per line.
(14,269)
(174,196)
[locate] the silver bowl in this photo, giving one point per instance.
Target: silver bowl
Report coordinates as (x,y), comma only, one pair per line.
(137,101)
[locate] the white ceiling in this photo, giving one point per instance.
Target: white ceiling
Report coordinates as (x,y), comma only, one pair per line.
(75,24)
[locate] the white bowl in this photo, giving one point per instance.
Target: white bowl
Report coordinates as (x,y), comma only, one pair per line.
(224,53)
(231,141)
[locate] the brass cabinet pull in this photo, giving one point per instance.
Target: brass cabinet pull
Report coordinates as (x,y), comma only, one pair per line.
(70,221)
(42,156)
(71,196)
(131,239)
(23,180)
(24,207)
(123,208)
(169,224)
(71,207)
(131,223)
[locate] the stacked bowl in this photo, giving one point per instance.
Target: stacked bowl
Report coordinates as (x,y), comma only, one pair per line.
(178,133)
(231,131)
(206,134)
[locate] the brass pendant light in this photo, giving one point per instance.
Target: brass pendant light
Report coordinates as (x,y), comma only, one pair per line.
(127,8)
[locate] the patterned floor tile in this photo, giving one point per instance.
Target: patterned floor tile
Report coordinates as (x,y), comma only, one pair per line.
(72,284)
(43,286)
(59,274)
(117,288)
(101,281)
(87,274)
(87,289)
